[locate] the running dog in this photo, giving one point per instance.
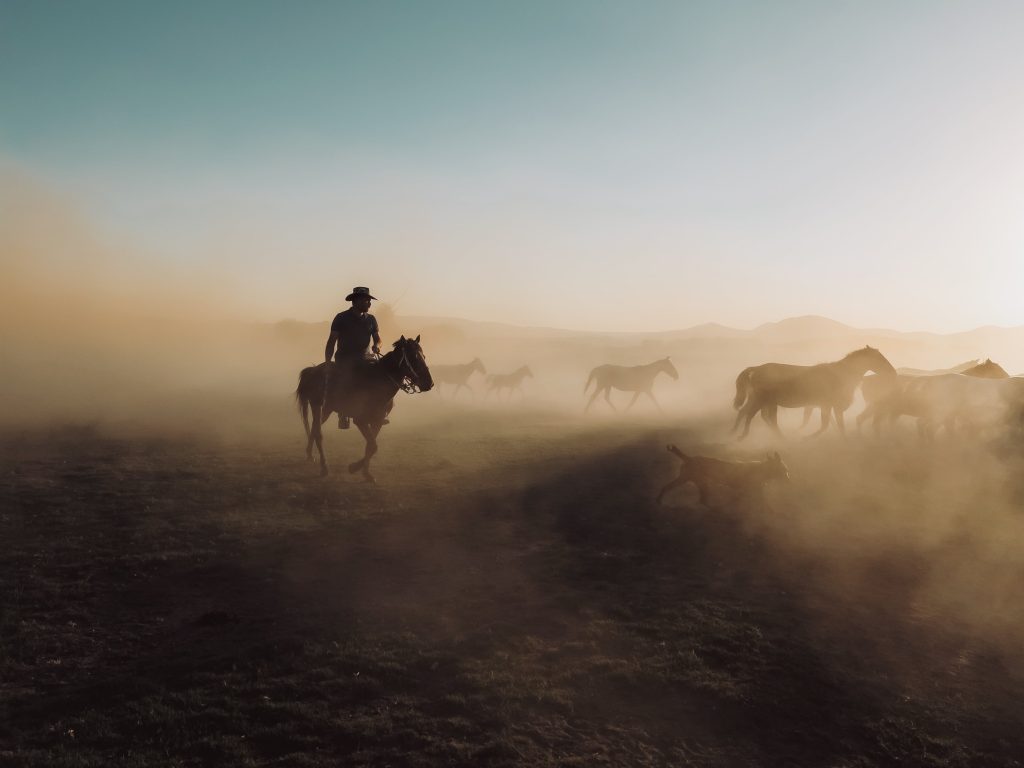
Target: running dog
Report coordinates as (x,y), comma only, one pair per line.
(746,477)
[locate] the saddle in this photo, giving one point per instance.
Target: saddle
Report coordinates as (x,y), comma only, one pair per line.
(341,386)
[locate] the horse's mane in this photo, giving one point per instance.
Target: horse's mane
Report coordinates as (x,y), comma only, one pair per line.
(860,351)
(401,343)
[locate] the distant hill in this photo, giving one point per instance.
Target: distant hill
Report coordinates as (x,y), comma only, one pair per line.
(788,330)
(818,337)
(806,328)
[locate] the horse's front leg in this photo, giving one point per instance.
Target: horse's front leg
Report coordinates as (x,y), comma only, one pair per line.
(655,401)
(770,413)
(608,398)
(635,396)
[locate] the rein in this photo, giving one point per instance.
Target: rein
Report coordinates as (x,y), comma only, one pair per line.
(407,381)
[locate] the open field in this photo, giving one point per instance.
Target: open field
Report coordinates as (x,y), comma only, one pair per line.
(507,594)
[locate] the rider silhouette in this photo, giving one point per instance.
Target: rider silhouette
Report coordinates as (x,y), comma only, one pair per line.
(352,331)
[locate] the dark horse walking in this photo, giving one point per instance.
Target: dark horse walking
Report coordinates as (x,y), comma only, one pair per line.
(829,386)
(369,400)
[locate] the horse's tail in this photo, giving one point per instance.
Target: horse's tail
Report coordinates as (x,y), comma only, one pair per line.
(742,387)
(590,378)
(672,449)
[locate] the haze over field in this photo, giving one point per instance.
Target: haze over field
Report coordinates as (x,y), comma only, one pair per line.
(187,193)
(95,329)
(189,190)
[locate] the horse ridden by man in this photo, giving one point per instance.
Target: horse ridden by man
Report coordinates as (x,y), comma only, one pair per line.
(828,386)
(638,379)
(367,398)
(357,387)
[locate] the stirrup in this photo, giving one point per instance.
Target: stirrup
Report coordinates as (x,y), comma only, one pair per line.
(344,422)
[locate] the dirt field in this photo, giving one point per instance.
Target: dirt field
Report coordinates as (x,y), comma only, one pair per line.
(506,594)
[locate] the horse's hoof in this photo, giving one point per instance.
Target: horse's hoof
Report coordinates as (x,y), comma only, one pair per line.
(323,471)
(369,479)
(355,466)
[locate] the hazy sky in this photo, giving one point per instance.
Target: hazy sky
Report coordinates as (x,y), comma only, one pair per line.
(603,165)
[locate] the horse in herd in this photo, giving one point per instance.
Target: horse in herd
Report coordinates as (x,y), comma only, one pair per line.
(980,396)
(513,382)
(638,379)
(828,386)
(458,375)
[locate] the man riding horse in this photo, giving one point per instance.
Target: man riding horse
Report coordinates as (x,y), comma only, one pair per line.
(352,331)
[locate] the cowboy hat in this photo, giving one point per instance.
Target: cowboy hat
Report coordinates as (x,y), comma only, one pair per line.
(359,292)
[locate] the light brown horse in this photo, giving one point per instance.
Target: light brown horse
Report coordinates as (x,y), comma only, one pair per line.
(968,404)
(889,397)
(638,379)
(829,386)
(458,375)
(369,399)
(496,382)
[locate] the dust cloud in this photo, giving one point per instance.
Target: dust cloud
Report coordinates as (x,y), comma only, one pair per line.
(929,531)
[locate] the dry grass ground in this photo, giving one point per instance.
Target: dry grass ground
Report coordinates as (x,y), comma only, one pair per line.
(508,594)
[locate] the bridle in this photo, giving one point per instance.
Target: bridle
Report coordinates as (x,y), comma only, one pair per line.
(407,382)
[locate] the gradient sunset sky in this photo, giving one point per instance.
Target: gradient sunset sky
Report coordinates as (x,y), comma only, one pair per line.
(586,165)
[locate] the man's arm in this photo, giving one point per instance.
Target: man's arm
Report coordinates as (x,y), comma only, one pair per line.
(375,332)
(331,341)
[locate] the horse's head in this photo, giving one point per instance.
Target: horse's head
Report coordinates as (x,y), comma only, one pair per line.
(527,371)
(987,370)
(478,366)
(667,367)
(411,364)
(872,360)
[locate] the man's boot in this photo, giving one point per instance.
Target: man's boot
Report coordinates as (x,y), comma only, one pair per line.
(343,422)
